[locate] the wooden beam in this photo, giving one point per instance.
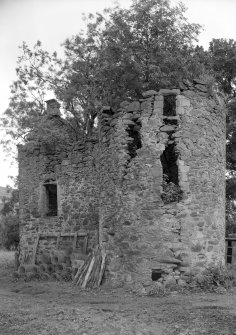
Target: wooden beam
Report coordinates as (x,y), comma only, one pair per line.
(58,240)
(85,245)
(63,234)
(75,241)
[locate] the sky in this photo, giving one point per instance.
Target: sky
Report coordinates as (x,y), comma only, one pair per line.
(52,21)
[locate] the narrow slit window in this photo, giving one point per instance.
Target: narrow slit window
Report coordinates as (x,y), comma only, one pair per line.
(169,105)
(51,199)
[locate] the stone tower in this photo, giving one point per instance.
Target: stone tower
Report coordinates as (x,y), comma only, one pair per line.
(162,203)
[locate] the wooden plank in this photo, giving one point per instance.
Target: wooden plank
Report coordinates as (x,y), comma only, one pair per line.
(226,251)
(88,273)
(48,235)
(102,268)
(35,249)
(63,234)
(83,270)
(80,268)
(75,241)
(58,240)
(96,270)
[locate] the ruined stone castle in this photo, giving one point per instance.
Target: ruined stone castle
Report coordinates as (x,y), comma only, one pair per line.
(148,187)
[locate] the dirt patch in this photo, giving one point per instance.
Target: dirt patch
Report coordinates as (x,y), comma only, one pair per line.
(55,308)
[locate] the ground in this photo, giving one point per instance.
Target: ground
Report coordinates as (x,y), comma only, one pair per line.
(55,308)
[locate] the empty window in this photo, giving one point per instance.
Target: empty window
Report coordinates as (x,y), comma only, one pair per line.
(51,199)
(169,105)
(156,274)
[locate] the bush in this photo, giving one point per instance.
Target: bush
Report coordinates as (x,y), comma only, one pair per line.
(171,192)
(157,290)
(212,278)
(9,231)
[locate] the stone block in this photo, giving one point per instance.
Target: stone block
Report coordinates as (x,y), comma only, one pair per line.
(124,104)
(158,104)
(167,128)
(199,81)
(149,93)
(182,101)
(133,107)
(201,88)
(169,260)
(165,91)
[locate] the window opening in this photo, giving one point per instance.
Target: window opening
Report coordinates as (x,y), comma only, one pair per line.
(51,199)
(136,142)
(171,189)
(170,122)
(229,252)
(169,164)
(169,105)
(156,274)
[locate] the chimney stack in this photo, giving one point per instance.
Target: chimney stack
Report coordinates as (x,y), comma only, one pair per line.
(53,108)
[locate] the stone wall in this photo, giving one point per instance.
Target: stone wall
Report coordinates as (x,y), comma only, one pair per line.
(149,188)
(72,169)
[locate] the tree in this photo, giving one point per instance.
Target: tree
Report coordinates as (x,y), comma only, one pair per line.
(223,58)
(122,53)
(151,45)
(9,221)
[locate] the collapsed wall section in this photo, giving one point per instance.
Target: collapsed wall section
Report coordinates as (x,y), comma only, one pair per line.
(162,199)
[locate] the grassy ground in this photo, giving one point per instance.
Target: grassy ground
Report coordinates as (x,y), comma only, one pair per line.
(55,308)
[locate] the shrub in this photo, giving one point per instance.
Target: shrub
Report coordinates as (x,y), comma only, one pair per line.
(212,278)
(9,231)
(157,290)
(171,192)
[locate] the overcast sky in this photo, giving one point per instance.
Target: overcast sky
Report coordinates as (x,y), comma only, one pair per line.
(52,21)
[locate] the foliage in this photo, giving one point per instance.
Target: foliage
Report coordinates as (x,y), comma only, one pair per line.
(223,57)
(10,204)
(230,206)
(231,168)
(212,278)
(158,290)
(9,231)
(122,53)
(9,222)
(171,192)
